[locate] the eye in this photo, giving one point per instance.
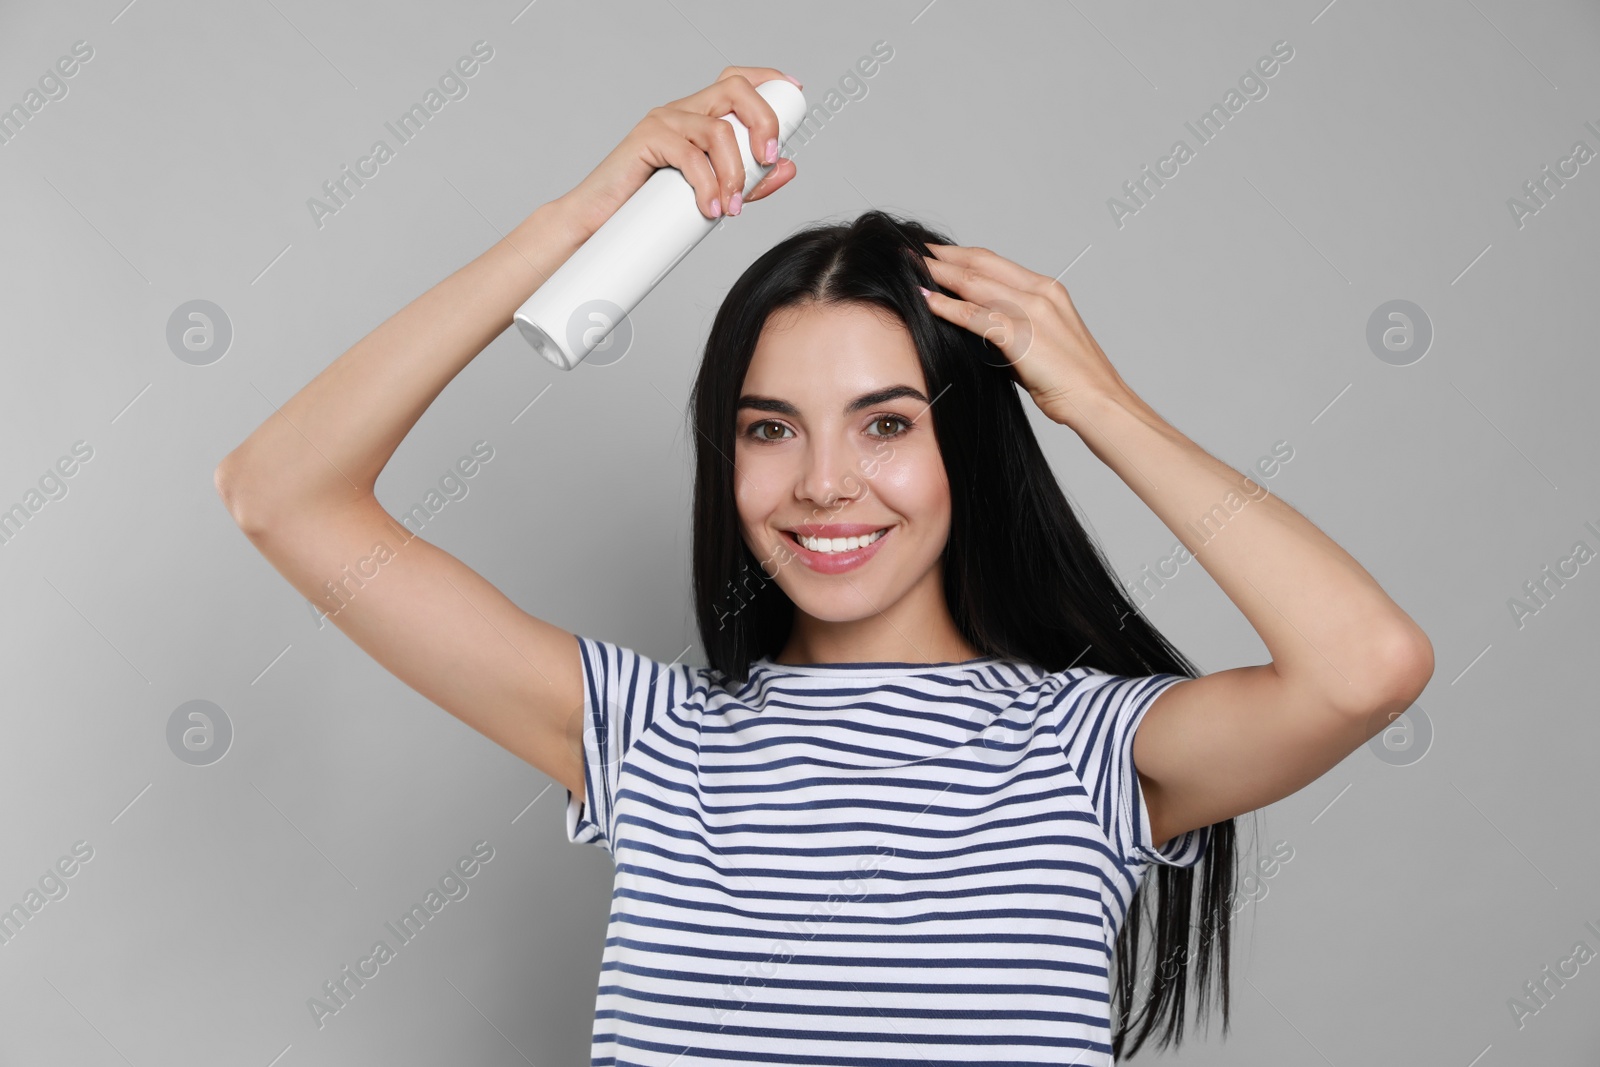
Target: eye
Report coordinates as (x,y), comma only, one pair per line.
(755,430)
(904,422)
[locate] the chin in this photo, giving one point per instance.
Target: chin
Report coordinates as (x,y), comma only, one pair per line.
(847,605)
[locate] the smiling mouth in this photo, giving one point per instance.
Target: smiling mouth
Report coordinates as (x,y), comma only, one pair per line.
(837,545)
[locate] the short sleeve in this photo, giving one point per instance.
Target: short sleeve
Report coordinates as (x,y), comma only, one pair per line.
(625,693)
(1102,713)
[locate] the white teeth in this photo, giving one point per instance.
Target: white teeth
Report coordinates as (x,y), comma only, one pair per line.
(838,544)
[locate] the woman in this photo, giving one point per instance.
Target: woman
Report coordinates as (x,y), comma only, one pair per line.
(905,812)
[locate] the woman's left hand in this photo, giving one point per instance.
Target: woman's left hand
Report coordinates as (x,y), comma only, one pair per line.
(1031,319)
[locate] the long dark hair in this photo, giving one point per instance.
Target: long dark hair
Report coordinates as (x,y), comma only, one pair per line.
(1040,593)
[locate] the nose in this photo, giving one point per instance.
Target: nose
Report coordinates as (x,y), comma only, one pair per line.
(830,473)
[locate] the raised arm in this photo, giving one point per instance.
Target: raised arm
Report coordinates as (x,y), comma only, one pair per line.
(1345,657)
(301,489)
(301,485)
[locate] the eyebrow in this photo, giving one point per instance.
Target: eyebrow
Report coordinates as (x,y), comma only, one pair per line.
(865,400)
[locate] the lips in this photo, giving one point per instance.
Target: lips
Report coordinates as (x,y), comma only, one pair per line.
(838,562)
(840,529)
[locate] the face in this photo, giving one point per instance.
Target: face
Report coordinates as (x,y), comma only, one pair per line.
(834,439)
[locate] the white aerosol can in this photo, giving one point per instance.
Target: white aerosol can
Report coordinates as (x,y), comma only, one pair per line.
(595,289)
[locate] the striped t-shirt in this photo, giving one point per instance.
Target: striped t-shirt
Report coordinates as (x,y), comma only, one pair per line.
(862,864)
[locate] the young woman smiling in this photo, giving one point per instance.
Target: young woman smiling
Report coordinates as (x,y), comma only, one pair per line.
(906,811)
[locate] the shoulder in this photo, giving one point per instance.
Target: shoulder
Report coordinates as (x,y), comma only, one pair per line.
(616,675)
(1086,698)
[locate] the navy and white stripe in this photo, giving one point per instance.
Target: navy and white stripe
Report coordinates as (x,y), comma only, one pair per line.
(862,864)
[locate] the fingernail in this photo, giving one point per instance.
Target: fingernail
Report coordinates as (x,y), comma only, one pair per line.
(733,205)
(797,84)
(716,207)
(925,292)
(772,150)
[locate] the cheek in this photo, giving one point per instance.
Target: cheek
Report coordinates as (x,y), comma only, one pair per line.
(748,511)
(915,485)
(755,490)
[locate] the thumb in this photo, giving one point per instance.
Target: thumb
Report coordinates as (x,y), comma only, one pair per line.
(782,173)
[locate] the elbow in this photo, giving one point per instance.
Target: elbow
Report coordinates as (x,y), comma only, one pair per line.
(231,488)
(1390,672)
(1404,668)
(256,501)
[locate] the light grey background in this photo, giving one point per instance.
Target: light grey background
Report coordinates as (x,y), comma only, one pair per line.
(1422,893)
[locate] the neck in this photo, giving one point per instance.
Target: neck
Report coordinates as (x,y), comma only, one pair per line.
(916,629)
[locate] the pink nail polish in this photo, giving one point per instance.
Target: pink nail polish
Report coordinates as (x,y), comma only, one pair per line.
(716,208)
(734,204)
(772,150)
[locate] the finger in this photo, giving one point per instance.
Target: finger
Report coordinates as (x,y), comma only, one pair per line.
(758,117)
(996,327)
(716,140)
(1007,327)
(780,175)
(691,161)
(759,120)
(757,75)
(994,265)
(722,145)
(972,283)
(701,99)
(735,91)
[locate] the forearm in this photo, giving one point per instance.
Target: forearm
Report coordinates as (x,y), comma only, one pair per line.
(329,441)
(1327,624)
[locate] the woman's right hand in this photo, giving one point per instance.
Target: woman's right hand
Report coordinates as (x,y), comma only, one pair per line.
(688,134)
